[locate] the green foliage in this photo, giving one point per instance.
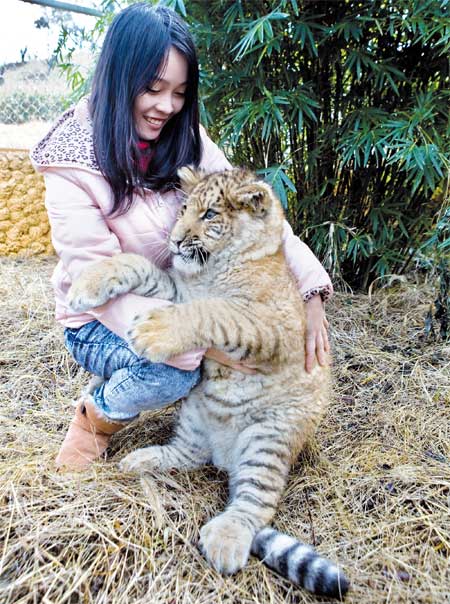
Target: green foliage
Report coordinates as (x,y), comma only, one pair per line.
(343,106)
(71,38)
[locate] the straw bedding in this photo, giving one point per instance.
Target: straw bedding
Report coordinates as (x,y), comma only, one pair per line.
(372,491)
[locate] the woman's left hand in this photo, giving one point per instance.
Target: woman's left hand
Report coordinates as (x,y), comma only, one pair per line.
(317,345)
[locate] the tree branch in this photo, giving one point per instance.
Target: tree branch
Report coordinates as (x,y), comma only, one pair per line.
(74,8)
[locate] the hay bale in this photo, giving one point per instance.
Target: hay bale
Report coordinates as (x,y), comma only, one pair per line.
(24,226)
(371,492)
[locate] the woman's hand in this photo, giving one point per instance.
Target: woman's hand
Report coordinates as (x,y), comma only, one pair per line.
(317,345)
(220,357)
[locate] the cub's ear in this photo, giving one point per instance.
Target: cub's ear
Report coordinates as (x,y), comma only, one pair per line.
(256,197)
(189,178)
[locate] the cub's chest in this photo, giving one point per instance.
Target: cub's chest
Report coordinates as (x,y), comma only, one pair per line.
(235,394)
(225,408)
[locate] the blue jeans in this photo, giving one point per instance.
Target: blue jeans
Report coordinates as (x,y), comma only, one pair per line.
(132,384)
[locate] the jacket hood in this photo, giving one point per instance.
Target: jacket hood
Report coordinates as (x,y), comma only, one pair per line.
(69,143)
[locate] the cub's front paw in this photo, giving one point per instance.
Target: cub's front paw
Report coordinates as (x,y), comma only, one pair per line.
(156,336)
(141,460)
(225,543)
(95,286)
(84,295)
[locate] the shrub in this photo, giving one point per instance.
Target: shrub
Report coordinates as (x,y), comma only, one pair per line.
(344,107)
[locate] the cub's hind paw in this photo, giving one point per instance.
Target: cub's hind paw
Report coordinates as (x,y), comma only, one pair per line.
(142,460)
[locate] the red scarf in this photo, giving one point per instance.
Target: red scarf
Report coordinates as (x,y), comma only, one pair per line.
(145,156)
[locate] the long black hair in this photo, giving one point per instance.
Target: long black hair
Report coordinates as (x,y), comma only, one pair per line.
(135,47)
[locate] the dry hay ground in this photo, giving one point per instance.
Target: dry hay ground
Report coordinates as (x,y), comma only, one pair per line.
(372,491)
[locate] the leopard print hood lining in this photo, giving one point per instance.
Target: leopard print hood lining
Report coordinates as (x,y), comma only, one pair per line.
(69,143)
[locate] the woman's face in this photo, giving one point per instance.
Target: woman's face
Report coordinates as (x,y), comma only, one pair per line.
(162,100)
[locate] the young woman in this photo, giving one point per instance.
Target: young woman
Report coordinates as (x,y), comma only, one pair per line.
(110,167)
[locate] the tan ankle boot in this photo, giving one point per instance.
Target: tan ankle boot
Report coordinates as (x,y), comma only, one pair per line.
(87,438)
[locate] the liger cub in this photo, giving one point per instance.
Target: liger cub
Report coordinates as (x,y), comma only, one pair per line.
(231,289)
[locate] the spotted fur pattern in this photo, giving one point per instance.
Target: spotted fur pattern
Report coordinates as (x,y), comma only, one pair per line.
(231,290)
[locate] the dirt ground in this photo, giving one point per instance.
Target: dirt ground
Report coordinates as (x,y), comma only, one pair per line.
(372,492)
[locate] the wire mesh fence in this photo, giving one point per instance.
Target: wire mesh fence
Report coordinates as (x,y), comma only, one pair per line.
(32,95)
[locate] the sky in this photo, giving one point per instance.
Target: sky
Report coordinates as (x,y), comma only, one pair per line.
(17,30)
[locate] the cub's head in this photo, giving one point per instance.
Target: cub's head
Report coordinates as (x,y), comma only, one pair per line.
(230,212)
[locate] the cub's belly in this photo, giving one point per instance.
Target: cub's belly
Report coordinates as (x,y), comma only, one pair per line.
(223,446)
(226,408)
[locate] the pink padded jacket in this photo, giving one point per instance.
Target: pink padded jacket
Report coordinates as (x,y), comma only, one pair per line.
(78,200)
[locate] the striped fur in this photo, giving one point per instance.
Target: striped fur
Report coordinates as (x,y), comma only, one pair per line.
(299,563)
(231,290)
(120,274)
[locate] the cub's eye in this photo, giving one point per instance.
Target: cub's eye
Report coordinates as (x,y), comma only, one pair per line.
(209,214)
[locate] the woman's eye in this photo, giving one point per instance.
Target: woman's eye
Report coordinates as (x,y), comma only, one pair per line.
(209,214)
(152,91)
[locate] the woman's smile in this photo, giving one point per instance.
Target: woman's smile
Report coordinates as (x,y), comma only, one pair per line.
(163,98)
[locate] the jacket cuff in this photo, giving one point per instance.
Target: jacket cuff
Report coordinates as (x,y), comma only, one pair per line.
(325,292)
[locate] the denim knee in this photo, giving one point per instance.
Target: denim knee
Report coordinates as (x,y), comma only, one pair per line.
(165,383)
(143,386)
(132,384)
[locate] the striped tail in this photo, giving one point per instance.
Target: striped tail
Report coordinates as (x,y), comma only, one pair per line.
(299,563)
